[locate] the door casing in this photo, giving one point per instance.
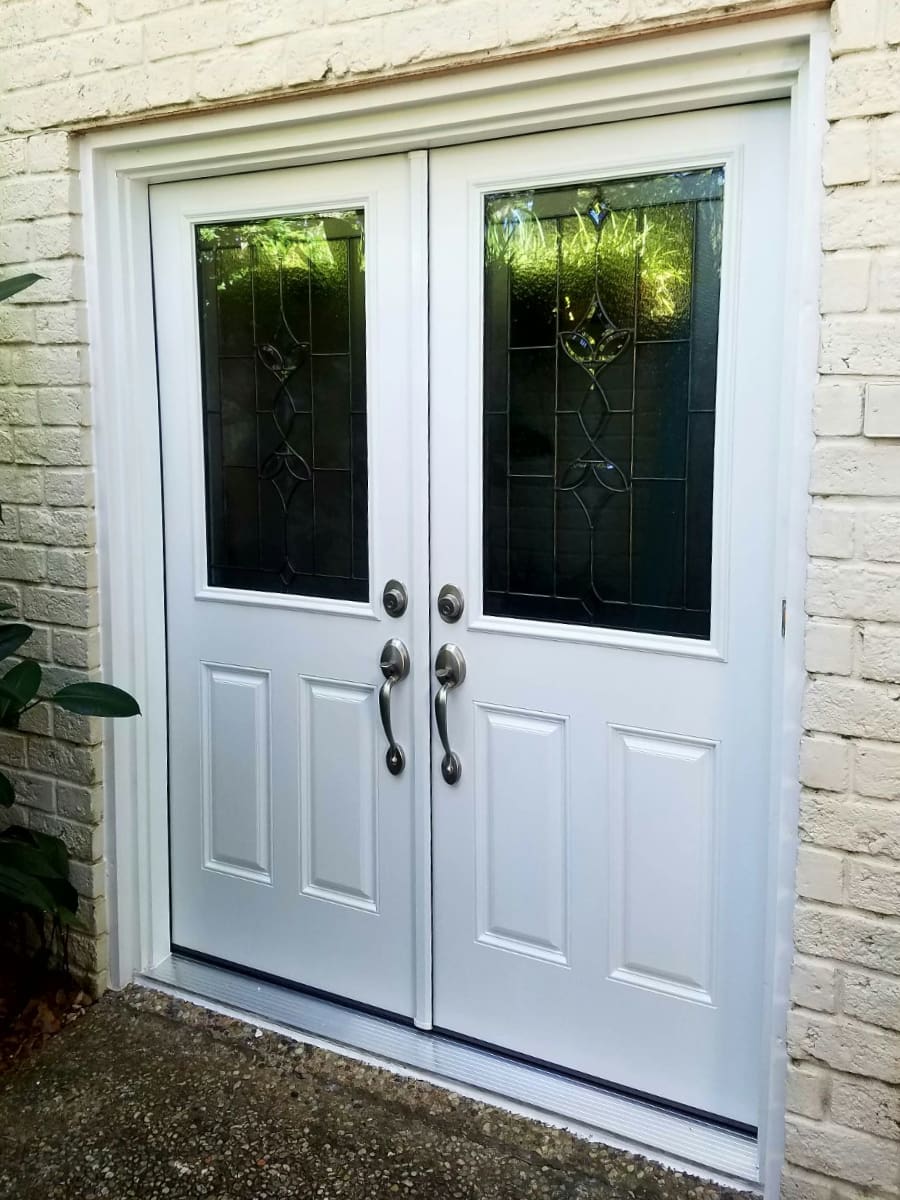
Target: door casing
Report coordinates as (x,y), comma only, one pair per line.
(779,57)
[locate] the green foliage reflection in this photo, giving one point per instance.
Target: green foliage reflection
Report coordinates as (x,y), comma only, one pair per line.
(647,247)
(312,244)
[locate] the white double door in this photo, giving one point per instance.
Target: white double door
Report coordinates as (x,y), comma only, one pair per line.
(591,460)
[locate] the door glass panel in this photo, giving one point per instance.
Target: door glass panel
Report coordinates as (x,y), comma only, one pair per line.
(601,324)
(282,331)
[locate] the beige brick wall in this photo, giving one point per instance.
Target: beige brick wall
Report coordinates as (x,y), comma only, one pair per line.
(47,562)
(83,61)
(843,1128)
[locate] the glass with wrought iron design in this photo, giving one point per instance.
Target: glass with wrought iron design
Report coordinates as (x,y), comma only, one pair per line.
(282,332)
(601,305)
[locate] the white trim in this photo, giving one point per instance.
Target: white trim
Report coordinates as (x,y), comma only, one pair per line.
(754,60)
(712,67)
(324,604)
(419,606)
(802,271)
(688,1143)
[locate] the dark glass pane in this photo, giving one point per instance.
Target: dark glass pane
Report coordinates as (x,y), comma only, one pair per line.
(705,310)
(531,412)
(282,331)
(698,515)
(531,535)
(661,376)
(496,501)
(601,324)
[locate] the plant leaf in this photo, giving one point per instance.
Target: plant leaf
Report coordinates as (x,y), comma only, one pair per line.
(34,873)
(96,700)
(17,687)
(18,283)
(30,860)
(7,791)
(65,897)
(53,850)
(23,890)
(21,682)
(12,637)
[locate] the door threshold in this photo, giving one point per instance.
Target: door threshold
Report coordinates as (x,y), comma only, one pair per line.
(684,1143)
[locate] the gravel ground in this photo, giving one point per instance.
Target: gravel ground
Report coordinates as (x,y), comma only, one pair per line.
(147,1097)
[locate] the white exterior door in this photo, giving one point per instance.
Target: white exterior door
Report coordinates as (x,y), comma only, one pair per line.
(605,326)
(605,371)
(283,311)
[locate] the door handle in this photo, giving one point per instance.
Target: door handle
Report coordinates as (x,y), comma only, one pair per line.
(450,671)
(394,667)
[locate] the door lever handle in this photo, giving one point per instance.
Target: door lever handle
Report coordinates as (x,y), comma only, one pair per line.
(394,667)
(450,671)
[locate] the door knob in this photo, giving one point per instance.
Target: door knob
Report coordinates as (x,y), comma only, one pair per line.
(450,671)
(394,667)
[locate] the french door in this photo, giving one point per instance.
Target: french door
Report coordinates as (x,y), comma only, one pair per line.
(604,434)
(604,322)
(283,316)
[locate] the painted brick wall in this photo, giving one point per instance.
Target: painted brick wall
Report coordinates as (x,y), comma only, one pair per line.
(47,563)
(844,1030)
(85,61)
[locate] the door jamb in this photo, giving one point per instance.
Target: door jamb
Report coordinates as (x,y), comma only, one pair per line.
(781,57)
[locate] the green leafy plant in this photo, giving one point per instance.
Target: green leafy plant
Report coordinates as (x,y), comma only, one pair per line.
(34,867)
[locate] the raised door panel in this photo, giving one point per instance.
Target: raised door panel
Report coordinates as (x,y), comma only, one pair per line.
(521,832)
(662,849)
(338,793)
(236,766)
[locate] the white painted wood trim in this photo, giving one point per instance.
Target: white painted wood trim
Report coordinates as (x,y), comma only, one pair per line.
(719,66)
(801,351)
(420,673)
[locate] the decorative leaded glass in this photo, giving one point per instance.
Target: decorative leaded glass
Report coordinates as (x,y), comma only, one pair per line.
(601,321)
(282,328)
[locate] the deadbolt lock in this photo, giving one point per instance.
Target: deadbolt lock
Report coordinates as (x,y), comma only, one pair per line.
(394,598)
(450,603)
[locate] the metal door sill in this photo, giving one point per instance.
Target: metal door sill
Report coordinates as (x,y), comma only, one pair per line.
(685,1143)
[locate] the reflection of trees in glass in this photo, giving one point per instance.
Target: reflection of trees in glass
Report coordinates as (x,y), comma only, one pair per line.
(303,243)
(282,322)
(601,328)
(534,232)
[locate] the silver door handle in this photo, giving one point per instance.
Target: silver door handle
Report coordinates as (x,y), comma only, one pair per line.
(450,671)
(394,667)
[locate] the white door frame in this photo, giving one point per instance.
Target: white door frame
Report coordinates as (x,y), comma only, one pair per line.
(724,64)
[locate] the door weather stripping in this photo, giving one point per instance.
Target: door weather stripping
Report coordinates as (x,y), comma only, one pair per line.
(684,1142)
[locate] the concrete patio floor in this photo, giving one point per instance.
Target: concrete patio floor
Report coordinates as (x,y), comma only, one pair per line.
(148,1097)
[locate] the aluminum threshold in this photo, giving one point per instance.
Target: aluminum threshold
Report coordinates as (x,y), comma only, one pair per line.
(687,1143)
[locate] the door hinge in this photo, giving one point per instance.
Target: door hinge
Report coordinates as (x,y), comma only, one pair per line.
(783,616)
